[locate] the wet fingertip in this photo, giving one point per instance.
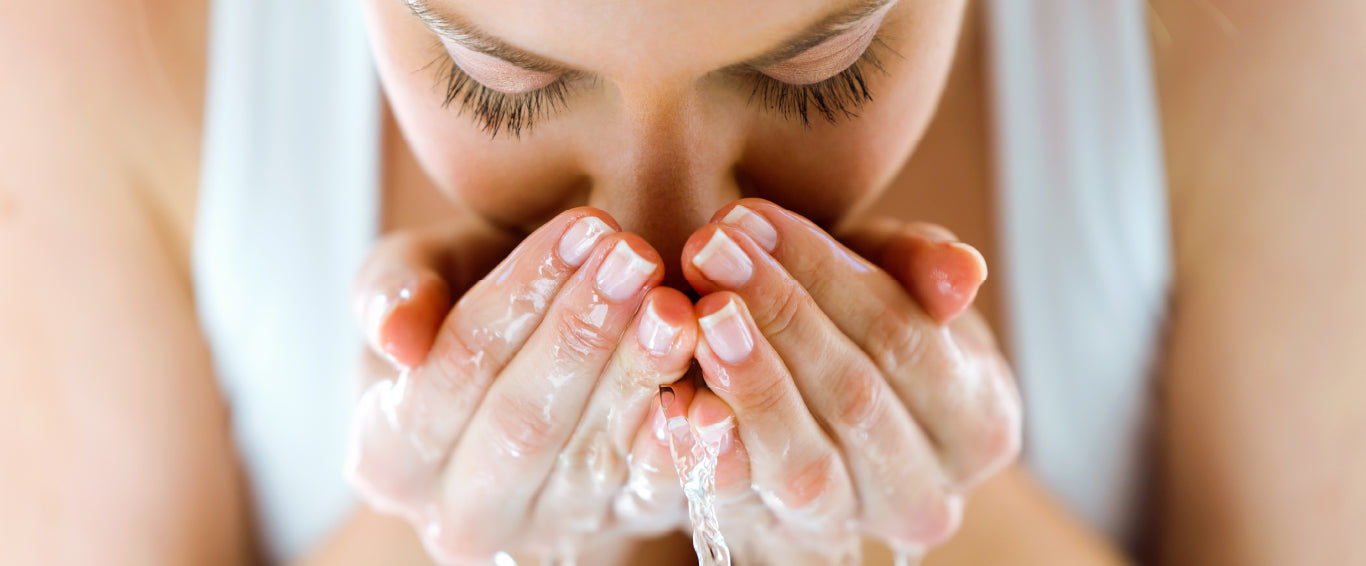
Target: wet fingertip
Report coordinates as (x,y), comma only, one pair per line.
(711,417)
(953,274)
(721,319)
(664,323)
(975,259)
(405,332)
(379,310)
(754,224)
(627,270)
(721,260)
(581,237)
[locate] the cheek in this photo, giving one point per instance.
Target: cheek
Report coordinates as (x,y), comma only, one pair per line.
(833,169)
(509,180)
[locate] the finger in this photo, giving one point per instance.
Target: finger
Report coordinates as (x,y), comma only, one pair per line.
(723,480)
(956,385)
(901,484)
(375,380)
(652,499)
(403,430)
(502,459)
(655,350)
(795,467)
(714,423)
(942,273)
(404,288)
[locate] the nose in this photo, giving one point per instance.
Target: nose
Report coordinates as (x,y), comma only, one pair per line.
(669,165)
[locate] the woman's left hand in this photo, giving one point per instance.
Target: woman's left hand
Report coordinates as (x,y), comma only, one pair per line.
(841,404)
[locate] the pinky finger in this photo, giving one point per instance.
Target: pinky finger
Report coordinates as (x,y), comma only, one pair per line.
(652,499)
(713,423)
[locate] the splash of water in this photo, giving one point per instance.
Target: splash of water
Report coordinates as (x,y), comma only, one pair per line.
(696,464)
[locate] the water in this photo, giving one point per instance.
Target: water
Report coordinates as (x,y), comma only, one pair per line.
(696,465)
(905,555)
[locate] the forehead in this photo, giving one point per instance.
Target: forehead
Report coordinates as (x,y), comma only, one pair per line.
(633,37)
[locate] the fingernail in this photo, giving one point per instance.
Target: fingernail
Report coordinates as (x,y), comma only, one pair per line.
(974,252)
(666,397)
(938,234)
(717,434)
(654,334)
(722,261)
(678,429)
(623,273)
(756,226)
(579,239)
(726,334)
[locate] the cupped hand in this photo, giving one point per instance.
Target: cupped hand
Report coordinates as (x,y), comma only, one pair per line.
(845,395)
(515,422)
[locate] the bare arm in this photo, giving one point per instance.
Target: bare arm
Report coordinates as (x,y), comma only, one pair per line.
(1265,456)
(115,443)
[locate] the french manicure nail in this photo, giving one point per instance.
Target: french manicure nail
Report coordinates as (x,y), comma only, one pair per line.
(579,239)
(727,334)
(654,334)
(756,226)
(722,261)
(717,434)
(623,272)
(679,430)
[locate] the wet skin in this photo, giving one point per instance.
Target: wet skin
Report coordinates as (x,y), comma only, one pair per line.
(837,398)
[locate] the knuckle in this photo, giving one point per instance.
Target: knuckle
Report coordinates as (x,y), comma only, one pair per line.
(762,392)
(595,465)
(638,377)
(896,344)
(783,308)
(805,485)
(522,429)
(859,397)
(456,354)
(581,336)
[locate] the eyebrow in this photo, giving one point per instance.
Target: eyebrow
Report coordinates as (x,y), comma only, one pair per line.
(466,34)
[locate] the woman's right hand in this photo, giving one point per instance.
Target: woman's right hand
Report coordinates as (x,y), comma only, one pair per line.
(517,425)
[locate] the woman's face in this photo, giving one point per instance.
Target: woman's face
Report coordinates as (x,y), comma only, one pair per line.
(661,111)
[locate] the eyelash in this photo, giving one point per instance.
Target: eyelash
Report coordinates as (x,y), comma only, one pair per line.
(838,96)
(496,111)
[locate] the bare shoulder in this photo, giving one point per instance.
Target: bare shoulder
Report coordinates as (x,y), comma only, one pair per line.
(101,91)
(1265,131)
(117,50)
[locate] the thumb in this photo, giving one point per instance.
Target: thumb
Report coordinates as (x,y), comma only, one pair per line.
(942,273)
(408,282)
